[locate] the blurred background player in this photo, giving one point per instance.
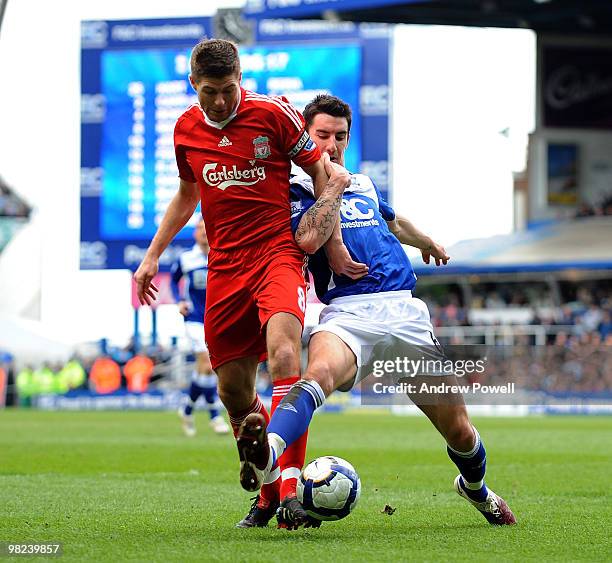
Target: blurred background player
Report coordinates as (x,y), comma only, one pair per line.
(362,314)
(192,267)
(234,150)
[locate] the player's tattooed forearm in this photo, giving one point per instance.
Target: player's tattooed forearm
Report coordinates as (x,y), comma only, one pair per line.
(302,229)
(327,222)
(307,223)
(325,215)
(321,217)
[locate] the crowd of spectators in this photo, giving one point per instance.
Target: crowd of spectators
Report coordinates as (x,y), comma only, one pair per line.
(571,365)
(101,370)
(600,209)
(584,309)
(578,326)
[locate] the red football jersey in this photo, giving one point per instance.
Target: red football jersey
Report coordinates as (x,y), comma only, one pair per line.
(242,167)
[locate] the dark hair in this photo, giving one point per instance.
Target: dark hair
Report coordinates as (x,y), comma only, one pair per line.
(215,58)
(330,105)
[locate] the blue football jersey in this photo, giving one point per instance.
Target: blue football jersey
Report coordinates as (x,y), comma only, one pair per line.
(193,266)
(366,235)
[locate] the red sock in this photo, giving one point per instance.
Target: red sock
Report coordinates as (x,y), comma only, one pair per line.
(280,388)
(292,460)
(291,463)
(270,492)
(236,418)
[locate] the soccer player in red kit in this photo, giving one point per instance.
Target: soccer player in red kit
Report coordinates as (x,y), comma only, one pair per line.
(234,150)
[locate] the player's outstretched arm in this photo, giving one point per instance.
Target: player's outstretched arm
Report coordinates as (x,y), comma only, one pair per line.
(408,234)
(179,211)
(317,224)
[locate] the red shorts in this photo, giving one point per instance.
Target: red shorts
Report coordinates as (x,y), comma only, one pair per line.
(244,289)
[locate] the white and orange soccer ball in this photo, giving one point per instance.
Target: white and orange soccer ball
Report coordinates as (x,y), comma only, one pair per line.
(329,488)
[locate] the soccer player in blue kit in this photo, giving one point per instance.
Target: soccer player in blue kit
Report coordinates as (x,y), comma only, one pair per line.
(360,316)
(192,266)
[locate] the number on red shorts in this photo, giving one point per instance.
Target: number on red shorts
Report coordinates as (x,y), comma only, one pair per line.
(301,299)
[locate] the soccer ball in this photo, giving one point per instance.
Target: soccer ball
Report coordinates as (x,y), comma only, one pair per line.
(329,488)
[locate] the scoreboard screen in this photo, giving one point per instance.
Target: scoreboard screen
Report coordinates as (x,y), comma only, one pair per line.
(147,90)
(134,86)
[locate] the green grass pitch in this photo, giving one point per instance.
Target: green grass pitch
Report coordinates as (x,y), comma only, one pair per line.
(129,486)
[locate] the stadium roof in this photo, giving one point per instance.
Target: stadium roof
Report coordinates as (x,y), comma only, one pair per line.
(592,17)
(580,244)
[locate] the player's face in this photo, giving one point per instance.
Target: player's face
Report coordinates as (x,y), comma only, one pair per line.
(331,135)
(199,234)
(217,96)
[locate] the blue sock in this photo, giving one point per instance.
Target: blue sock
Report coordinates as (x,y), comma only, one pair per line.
(210,396)
(294,413)
(472,465)
(194,394)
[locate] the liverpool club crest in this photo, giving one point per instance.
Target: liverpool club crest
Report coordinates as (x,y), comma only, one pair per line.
(261,146)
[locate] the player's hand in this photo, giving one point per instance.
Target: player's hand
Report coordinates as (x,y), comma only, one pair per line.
(341,263)
(184,308)
(436,252)
(143,278)
(338,175)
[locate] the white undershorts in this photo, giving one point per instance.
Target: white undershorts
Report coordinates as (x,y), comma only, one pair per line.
(195,335)
(380,325)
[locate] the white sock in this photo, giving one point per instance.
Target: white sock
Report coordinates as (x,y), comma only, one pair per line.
(277,444)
